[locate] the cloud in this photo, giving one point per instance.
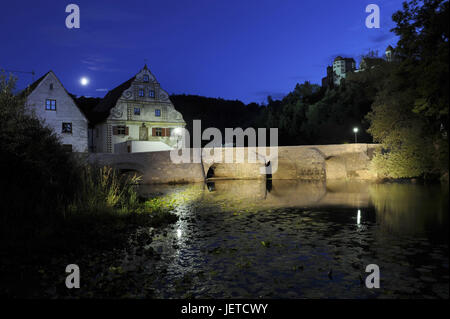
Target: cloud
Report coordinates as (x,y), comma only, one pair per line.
(98,63)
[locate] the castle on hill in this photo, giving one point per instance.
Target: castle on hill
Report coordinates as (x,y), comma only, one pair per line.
(343,66)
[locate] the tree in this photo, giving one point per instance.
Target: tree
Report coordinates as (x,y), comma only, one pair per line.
(410,113)
(37,174)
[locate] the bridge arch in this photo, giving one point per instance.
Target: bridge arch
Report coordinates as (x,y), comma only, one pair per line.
(129,168)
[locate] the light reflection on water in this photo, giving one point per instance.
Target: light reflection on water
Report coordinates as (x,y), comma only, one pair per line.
(295,240)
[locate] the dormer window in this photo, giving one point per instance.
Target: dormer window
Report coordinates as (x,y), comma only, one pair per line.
(151,93)
(146,78)
(141,92)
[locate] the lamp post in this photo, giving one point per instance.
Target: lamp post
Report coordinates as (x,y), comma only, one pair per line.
(355,130)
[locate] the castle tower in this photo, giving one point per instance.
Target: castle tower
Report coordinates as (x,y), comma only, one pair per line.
(389,53)
(341,67)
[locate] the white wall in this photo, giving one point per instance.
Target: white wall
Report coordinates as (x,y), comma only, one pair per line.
(66,111)
(141,146)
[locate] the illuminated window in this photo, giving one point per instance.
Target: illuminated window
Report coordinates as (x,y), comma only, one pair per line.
(146,78)
(67,128)
(141,92)
(157,112)
(151,93)
(137,111)
(50,105)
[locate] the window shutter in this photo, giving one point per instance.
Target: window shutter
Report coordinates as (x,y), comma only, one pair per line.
(163,132)
(168,131)
(115,131)
(126,130)
(153,131)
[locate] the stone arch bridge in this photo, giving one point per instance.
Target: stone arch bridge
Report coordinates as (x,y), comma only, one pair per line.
(308,162)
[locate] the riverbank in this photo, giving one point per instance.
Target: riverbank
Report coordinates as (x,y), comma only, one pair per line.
(95,241)
(104,213)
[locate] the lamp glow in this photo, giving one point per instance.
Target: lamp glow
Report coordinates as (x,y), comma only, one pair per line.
(355,130)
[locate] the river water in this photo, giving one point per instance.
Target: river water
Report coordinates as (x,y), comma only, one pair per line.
(291,239)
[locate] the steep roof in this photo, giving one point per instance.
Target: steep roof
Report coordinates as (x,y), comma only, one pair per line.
(86,104)
(101,111)
(389,48)
(27,91)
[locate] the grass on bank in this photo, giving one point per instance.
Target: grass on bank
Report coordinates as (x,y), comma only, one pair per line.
(104,211)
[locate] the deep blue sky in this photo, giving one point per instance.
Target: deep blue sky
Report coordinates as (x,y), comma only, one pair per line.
(245,49)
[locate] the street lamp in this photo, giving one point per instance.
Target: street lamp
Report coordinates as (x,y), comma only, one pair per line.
(355,130)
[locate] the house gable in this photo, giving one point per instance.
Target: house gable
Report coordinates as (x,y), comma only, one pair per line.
(48,100)
(141,92)
(50,88)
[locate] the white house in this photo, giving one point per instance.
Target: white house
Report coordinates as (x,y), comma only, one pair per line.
(48,100)
(136,116)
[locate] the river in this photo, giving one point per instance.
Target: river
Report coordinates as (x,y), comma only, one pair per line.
(291,239)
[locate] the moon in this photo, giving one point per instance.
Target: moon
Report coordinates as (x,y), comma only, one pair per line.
(84,81)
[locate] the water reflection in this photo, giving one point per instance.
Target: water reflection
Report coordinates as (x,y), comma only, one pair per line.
(358,218)
(411,209)
(247,239)
(399,208)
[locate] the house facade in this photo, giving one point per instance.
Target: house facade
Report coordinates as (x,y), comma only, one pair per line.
(48,100)
(136,116)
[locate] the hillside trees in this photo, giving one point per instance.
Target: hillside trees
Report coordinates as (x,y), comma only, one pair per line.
(410,113)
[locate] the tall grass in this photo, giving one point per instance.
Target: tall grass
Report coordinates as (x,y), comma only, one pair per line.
(103,188)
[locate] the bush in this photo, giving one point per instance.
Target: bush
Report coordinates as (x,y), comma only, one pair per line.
(38,176)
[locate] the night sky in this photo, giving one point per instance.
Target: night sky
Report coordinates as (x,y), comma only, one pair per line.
(244,49)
